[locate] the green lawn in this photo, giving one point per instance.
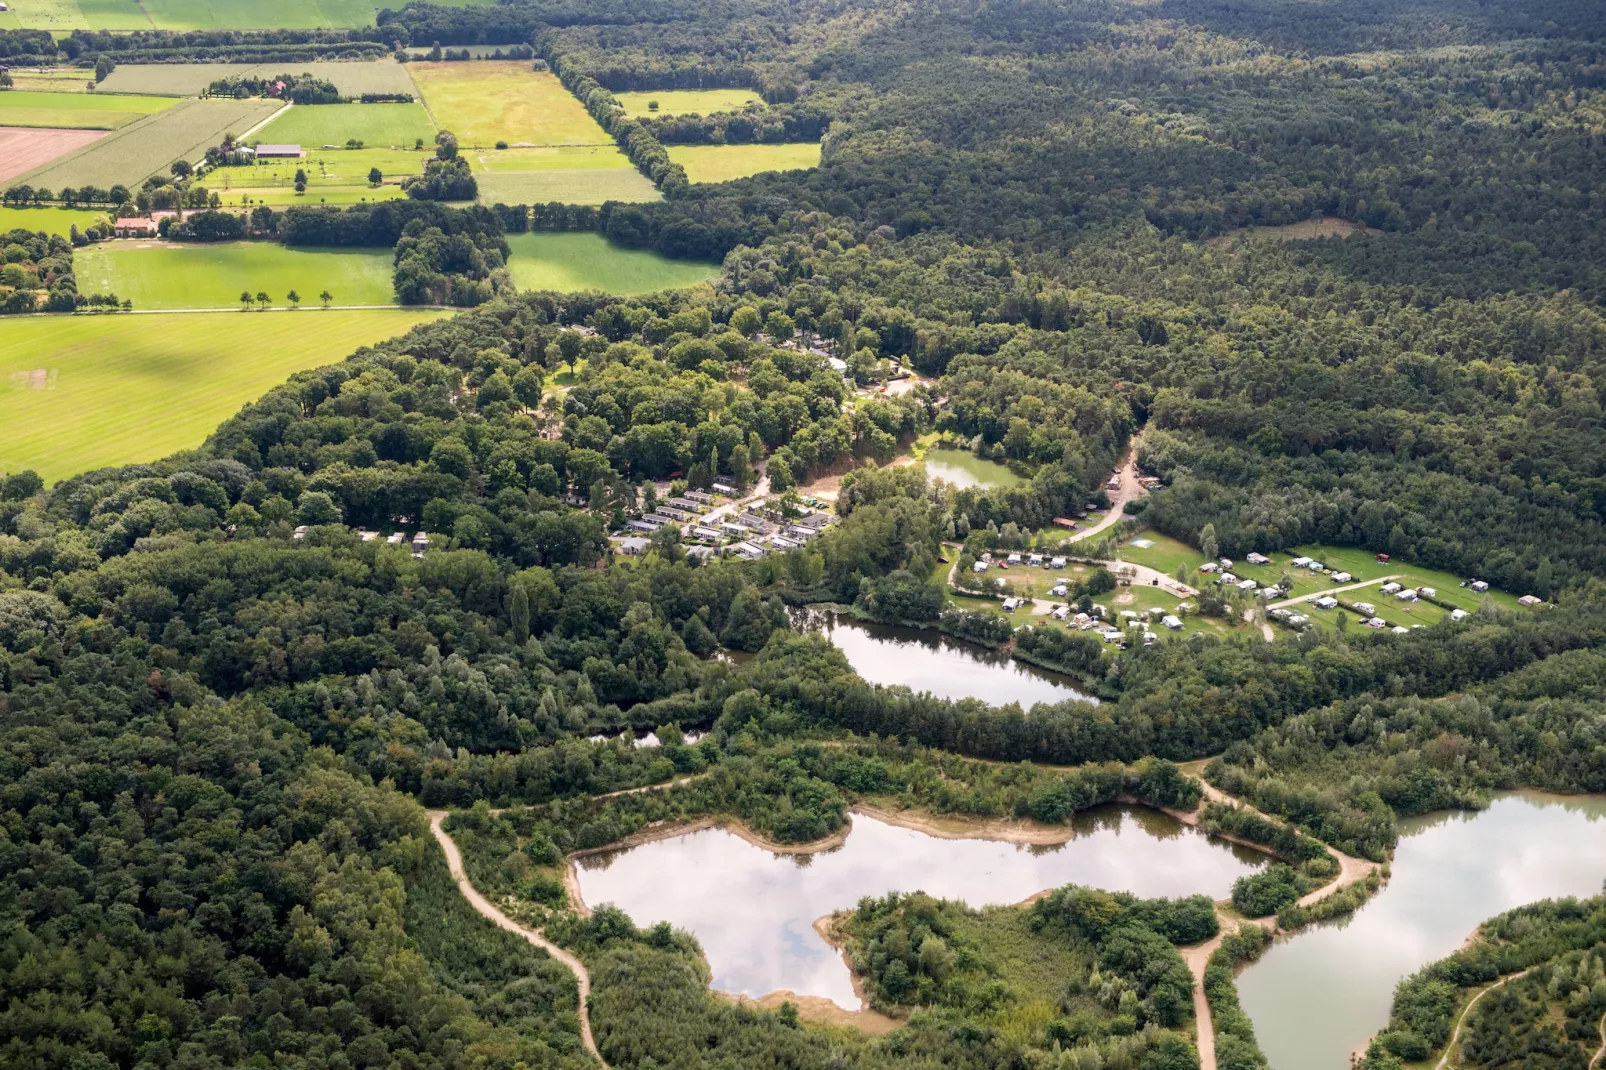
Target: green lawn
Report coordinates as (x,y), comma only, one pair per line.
(722,163)
(567,262)
(1165,555)
(487,101)
(334,176)
(377,125)
(688,101)
(85,392)
(282,196)
(52,79)
(76,111)
(155,275)
(49,220)
(568,187)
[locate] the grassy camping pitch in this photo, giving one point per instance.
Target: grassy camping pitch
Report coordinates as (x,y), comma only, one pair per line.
(567,262)
(155,275)
(504,100)
(84,392)
(722,163)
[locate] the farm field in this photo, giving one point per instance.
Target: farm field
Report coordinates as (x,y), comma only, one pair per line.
(23,150)
(51,79)
(551,158)
(334,176)
(351,77)
(569,187)
(722,163)
(687,101)
(63,16)
(159,275)
(567,262)
(80,111)
(84,392)
(50,220)
(149,145)
(380,125)
(504,100)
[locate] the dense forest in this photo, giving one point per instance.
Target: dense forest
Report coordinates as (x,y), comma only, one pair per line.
(222,707)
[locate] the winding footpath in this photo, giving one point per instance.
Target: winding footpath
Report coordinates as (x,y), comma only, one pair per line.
(488,910)
(1601,1054)
(1461,1019)
(1350,871)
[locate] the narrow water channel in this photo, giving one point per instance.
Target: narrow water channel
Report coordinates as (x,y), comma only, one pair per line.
(1320,995)
(926,660)
(754,911)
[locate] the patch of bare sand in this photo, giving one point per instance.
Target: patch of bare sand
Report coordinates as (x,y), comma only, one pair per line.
(1328,226)
(819,1009)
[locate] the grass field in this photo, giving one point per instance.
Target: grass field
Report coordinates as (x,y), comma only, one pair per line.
(721,163)
(334,176)
(83,392)
(551,158)
(352,77)
(567,262)
(504,100)
(49,220)
(76,111)
(149,145)
(569,187)
(51,79)
(65,15)
(157,275)
(379,125)
(688,101)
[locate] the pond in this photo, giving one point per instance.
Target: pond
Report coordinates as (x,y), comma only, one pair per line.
(927,660)
(961,468)
(1322,994)
(754,911)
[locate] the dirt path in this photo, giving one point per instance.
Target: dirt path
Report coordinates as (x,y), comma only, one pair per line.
(1455,1035)
(1131,490)
(1601,1054)
(454,862)
(1350,871)
(1322,594)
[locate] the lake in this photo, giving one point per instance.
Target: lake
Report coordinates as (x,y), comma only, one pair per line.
(754,911)
(961,468)
(927,660)
(1322,994)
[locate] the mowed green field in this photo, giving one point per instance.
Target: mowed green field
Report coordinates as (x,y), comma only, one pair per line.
(687,101)
(551,158)
(334,176)
(66,15)
(159,275)
(76,111)
(376,125)
(567,262)
(487,101)
(84,392)
(149,145)
(566,187)
(351,77)
(50,220)
(722,163)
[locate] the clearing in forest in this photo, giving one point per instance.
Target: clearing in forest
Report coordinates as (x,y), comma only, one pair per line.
(569,262)
(638,104)
(1327,226)
(85,392)
(722,163)
(161,275)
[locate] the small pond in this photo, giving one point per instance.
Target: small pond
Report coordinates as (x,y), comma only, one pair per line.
(1322,994)
(961,468)
(754,911)
(927,660)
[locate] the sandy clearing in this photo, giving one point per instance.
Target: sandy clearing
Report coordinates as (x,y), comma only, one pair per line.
(24,148)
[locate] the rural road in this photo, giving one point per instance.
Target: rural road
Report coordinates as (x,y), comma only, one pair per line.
(486,909)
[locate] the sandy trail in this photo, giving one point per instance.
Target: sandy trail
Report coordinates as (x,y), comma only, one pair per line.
(486,909)
(1455,1035)
(1323,594)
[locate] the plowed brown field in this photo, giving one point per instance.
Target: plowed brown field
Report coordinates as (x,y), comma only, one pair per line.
(22,150)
